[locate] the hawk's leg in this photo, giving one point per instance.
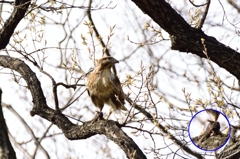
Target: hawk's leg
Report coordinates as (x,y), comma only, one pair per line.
(110,112)
(99,116)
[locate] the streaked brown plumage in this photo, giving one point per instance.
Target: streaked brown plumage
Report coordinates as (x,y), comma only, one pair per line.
(104,87)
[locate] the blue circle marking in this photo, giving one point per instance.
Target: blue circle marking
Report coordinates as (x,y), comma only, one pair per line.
(229,132)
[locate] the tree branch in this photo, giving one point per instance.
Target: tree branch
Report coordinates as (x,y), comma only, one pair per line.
(231,151)
(164,130)
(204,15)
(234,4)
(11,23)
(6,149)
(188,39)
(111,129)
(29,130)
(89,14)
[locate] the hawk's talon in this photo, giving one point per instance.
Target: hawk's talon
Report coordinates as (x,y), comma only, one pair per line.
(99,116)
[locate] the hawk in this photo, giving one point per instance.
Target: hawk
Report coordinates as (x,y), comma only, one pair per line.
(104,87)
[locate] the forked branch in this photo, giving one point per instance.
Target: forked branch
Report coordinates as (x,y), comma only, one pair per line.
(110,129)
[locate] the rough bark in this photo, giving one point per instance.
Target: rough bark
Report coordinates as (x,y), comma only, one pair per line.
(188,39)
(11,23)
(231,151)
(212,143)
(6,149)
(111,129)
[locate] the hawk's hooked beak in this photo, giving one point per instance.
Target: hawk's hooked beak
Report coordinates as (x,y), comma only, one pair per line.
(115,61)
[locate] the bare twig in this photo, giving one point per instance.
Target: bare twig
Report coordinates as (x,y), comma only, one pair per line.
(204,15)
(97,33)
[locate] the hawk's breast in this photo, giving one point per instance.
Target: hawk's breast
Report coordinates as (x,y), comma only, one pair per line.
(101,84)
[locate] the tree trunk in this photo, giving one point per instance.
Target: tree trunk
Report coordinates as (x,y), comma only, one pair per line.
(6,149)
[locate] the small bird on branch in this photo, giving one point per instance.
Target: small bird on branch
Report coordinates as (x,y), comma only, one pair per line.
(213,127)
(104,87)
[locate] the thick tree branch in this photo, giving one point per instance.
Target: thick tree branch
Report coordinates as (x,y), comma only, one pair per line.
(6,149)
(188,39)
(234,4)
(11,23)
(111,129)
(231,151)
(30,131)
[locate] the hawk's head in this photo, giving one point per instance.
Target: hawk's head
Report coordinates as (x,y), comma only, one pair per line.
(106,62)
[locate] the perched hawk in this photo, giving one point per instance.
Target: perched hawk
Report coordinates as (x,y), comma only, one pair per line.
(104,87)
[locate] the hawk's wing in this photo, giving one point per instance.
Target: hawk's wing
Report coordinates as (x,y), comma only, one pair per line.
(213,113)
(117,94)
(96,101)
